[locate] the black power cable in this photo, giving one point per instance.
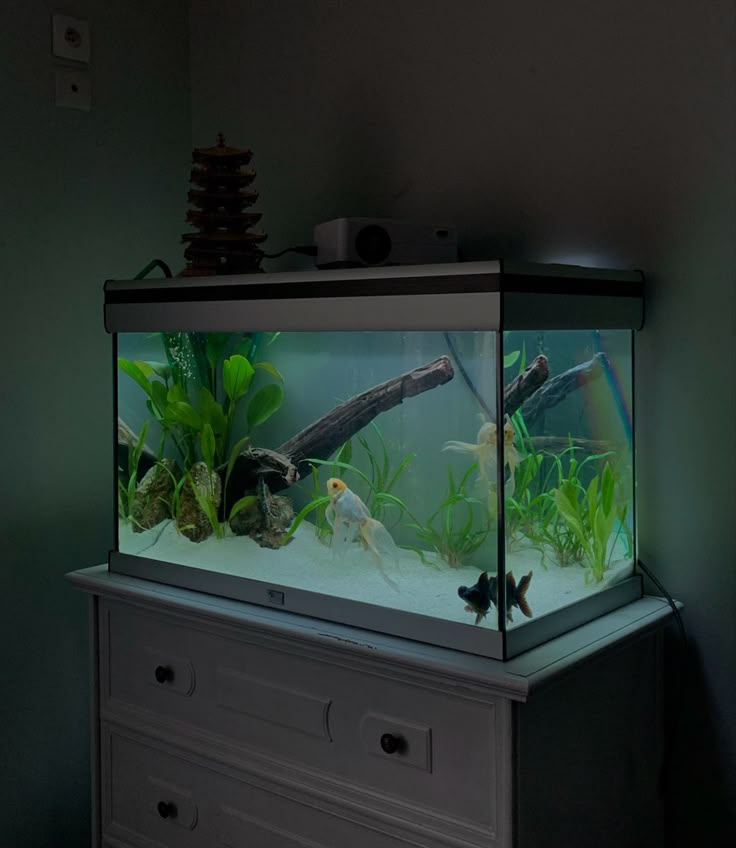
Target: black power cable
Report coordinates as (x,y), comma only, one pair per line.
(666,595)
(304,249)
(468,380)
(668,752)
(154,263)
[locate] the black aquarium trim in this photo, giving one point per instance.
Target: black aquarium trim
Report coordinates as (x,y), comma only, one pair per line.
(531,284)
(356,283)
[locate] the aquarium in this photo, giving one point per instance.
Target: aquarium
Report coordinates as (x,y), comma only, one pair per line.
(441,452)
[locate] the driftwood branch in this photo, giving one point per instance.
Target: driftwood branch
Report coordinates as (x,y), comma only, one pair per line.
(554,391)
(323,437)
(525,385)
(531,391)
(277,470)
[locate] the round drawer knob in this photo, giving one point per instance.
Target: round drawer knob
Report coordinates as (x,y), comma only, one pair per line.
(390,743)
(166,809)
(164,673)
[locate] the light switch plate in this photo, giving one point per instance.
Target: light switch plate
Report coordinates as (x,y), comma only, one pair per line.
(73,89)
(70,38)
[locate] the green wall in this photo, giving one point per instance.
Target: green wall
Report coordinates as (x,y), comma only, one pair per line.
(600,133)
(576,131)
(84,196)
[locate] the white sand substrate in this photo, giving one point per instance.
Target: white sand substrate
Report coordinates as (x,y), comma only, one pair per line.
(306,563)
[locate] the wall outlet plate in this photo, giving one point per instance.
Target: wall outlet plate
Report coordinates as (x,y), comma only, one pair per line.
(70,38)
(73,89)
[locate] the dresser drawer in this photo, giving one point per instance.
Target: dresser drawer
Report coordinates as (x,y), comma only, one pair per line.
(154,797)
(408,750)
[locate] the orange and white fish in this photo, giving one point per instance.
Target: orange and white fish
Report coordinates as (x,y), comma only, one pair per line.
(347,513)
(484,451)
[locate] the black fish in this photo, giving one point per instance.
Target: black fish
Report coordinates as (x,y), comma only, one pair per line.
(478,598)
(515,595)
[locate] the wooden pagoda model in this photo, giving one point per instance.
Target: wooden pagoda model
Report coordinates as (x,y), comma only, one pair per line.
(221,197)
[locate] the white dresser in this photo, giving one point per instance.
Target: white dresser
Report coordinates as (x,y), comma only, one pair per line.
(217,724)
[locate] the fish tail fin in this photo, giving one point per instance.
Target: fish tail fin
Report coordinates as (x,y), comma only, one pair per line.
(521,594)
(512,597)
(379,541)
(377,538)
(460,447)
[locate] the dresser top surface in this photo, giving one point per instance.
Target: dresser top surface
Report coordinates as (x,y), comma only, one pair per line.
(516,678)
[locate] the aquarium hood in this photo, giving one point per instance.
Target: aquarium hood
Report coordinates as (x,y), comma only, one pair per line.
(489,295)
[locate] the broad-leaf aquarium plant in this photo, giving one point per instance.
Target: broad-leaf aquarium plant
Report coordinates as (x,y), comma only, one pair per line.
(195,398)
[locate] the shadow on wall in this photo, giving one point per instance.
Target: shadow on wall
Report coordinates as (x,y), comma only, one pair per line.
(698,810)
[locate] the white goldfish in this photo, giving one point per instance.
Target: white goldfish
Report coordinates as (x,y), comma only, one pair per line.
(484,451)
(347,513)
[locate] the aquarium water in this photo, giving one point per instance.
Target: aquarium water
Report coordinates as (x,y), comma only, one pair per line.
(391,478)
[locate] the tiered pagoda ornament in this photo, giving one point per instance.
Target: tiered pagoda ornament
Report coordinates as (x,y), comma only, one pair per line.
(221,197)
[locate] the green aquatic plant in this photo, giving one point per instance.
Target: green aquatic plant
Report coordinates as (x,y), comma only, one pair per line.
(522,509)
(514,356)
(175,505)
(207,495)
(382,477)
(459,526)
(184,423)
(534,518)
(591,513)
(530,514)
(623,486)
(318,502)
(374,485)
(534,515)
(207,498)
(318,505)
(127,490)
(197,394)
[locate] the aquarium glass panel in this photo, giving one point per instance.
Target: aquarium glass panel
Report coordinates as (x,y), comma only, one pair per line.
(359,466)
(568,505)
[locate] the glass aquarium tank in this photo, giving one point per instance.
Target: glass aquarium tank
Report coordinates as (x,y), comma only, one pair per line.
(441,452)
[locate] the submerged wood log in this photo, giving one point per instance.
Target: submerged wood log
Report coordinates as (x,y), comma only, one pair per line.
(277,470)
(531,391)
(264,462)
(554,391)
(525,385)
(322,438)
(325,435)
